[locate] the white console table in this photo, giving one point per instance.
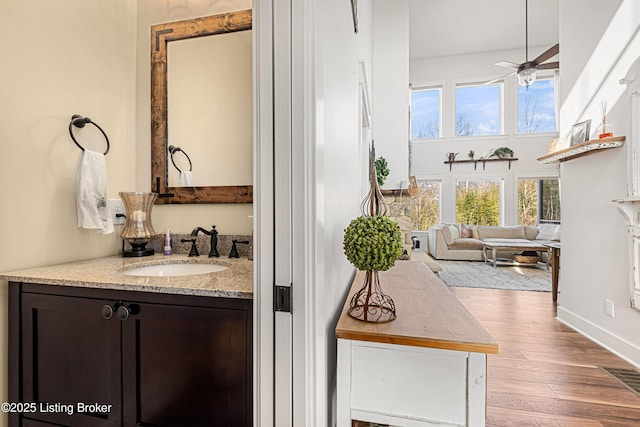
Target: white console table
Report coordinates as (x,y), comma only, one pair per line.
(426,368)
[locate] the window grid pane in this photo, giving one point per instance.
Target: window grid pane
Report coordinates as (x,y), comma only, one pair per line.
(425,208)
(478,202)
(425,113)
(478,110)
(538,201)
(536,107)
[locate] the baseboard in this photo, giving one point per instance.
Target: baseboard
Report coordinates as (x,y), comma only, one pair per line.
(615,344)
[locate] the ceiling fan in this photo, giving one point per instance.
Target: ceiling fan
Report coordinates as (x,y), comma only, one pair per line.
(526,72)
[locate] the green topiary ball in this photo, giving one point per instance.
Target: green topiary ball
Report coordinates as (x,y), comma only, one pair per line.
(372,243)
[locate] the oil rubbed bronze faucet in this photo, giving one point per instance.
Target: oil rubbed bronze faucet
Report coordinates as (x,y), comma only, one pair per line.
(213,252)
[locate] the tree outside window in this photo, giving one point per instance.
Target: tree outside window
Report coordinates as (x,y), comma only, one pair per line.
(425,113)
(538,201)
(425,208)
(536,107)
(478,202)
(478,110)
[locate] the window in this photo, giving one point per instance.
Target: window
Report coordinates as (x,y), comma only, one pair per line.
(425,113)
(478,110)
(425,208)
(537,107)
(478,202)
(538,201)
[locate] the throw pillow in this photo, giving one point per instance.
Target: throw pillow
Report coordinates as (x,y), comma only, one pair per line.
(455,234)
(530,232)
(556,234)
(466,231)
(446,233)
(546,231)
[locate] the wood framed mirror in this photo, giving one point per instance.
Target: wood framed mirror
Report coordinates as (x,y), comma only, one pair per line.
(207,151)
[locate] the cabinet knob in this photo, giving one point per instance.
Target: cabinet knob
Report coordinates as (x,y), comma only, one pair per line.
(123,313)
(107,311)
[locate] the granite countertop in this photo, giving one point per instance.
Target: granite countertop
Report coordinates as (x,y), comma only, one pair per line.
(108,273)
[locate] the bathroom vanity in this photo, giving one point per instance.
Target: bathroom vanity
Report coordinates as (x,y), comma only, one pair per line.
(92,346)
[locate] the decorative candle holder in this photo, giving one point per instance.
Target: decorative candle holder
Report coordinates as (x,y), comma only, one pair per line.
(138,229)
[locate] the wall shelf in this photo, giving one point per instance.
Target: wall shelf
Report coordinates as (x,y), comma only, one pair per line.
(582,149)
(483,161)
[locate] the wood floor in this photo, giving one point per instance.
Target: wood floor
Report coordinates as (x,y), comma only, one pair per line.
(546,375)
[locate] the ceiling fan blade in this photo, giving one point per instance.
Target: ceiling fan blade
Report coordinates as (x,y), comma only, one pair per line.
(547,54)
(507,64)
(499,79)
(548,66)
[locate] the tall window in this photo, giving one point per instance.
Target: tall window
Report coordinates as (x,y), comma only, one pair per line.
(538,201)
(425,113)
(478,202)
(478,110)
(537,107)
(425,208)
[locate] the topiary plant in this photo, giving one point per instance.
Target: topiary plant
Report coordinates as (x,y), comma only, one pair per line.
(372,243)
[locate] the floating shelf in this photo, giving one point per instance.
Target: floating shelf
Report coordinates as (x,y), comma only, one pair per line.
(582,149)
(483,161)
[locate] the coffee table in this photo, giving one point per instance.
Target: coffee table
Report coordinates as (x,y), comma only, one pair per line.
(511,245)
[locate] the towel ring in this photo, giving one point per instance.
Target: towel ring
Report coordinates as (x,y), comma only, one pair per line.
(174,150)
(78,121)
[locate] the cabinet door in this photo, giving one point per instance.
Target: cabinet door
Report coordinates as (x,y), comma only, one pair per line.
(187,366)
(71,356)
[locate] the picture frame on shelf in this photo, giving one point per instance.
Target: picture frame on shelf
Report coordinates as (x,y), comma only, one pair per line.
(580,132)
(555,144)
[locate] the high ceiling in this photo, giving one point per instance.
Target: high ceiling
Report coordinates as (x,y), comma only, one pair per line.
(456,27)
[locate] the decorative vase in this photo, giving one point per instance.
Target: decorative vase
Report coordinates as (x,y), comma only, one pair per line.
(605,130)
(372,230)
(138,228)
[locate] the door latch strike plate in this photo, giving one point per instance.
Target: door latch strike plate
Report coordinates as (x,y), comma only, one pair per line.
(282,299)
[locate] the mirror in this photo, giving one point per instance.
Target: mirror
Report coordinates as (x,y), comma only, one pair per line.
(205,84)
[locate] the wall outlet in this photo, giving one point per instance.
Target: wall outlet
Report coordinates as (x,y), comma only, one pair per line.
(609,308)
(116,206)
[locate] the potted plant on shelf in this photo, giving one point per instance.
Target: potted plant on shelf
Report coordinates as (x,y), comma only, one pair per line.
(382,170)
(372,243)
(502,152)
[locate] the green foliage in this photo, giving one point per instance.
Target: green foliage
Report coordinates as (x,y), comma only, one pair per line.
(503,152)
(425,208)
(528,202)
(372,243)
(382,170)
(478,203)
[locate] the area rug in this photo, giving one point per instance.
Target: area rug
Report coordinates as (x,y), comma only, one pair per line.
(471,274)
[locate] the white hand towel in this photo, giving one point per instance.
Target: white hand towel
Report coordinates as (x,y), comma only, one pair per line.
(185,179)
(91,193)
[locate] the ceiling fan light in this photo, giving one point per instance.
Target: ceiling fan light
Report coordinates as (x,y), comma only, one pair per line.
(527,77)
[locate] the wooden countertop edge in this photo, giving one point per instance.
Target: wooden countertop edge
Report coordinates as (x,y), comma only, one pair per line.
(352,329)
(488,348)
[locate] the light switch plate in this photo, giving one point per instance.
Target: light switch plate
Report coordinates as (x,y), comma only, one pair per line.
(116,206)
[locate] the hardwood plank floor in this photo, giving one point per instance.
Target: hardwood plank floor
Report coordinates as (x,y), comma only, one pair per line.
(546,374)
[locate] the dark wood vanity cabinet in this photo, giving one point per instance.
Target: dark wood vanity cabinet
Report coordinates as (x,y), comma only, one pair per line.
(158,360)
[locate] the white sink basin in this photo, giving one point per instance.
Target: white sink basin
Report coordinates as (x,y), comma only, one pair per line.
(182,269)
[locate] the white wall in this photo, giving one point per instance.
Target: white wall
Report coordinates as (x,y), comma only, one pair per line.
(229,218)
(337,193)
(599,41)
(391,87)
(427,157)
(59,58)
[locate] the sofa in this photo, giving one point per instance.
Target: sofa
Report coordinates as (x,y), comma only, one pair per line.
(464,242)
